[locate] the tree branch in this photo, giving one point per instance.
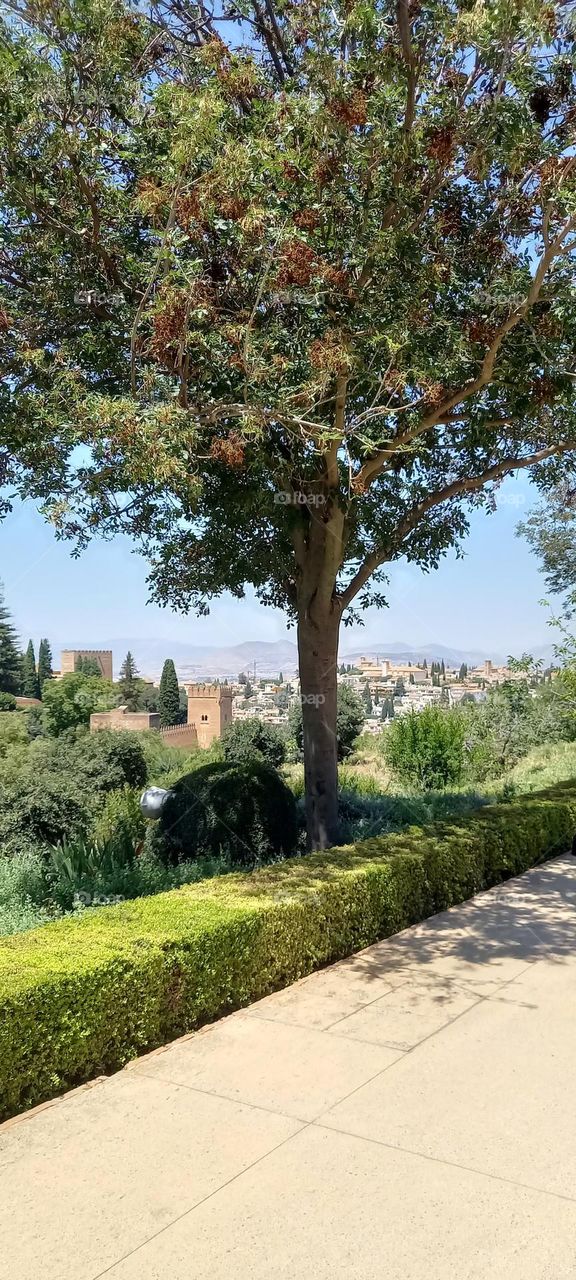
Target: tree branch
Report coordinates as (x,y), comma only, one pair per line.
(458,487)
(381,460)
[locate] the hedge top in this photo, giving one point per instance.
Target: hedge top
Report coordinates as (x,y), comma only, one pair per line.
(157,923)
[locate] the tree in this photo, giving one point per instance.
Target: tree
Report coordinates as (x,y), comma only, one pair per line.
(69,702)
(550,530)
(10,668)
(350,719)
(44,663)
(248,740)
(169,695)
(463,672)
(30,683)
(128,682)
(427,747)
(411,679)
(87,666)
(399,688)
(306,296)
(367,699)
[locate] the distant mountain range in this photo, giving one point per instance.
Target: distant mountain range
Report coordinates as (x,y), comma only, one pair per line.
(204,662)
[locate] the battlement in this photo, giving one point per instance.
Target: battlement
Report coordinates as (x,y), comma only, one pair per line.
(215,691)
(181,729)
(180,735)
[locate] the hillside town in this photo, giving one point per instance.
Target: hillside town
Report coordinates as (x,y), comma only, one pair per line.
(388,689)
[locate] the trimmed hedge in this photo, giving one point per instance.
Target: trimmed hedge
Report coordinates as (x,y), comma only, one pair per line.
(81,996)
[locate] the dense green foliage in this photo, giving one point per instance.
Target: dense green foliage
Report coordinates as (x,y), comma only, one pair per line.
(469,743)
(87,666)
(350,717)
(299,285)
(49,790)
(129,684)
(241,811)
(30,684)
(427,747)
(79,997)
(169,695)
(247,740)
(7,702)
(40,809)
(69,702)
(44,663)
(10,666)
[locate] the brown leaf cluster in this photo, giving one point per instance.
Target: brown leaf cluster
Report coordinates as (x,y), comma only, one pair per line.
(230,450)
(297,264)
(441,143)
(350,111)
(330,354)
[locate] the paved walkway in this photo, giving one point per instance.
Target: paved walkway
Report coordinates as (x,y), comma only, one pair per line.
(408,1114)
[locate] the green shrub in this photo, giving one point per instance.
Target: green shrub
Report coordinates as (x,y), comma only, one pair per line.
(247,740)
(69,702)
(244,813)
(38,810)
(7,702)
(121,814)
(107,761)
(427,747)
(23,893)
(83,995)
(87,868)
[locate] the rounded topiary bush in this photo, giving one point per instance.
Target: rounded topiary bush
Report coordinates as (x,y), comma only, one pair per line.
(243,813)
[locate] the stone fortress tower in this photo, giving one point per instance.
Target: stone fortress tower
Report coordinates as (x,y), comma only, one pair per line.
(103,657)
(209,710)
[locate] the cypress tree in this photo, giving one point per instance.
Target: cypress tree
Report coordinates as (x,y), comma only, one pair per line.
(169,695)
(10,666)
(367,699)
(30,685)
(127,682)
(44,664)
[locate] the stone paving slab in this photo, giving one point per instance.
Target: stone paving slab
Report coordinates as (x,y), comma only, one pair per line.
(408,1113)
(328,1205)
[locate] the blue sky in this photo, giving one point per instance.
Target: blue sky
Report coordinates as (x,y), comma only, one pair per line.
(488,600)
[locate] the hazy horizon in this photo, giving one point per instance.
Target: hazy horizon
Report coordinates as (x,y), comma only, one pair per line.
(488,600)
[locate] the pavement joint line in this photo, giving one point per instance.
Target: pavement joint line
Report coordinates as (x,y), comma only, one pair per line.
(305,1026)
(451,1164)
(191,1209)
(226,1097)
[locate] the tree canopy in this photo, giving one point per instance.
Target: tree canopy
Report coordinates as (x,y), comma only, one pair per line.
(30,682)
(298,278)
(169,695)
(44,663)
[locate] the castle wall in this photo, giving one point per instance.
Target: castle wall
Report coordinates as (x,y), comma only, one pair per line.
(135,721)
(180,735)
(102,656)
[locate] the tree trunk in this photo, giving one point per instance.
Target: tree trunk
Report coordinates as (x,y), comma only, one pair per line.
(318,656)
